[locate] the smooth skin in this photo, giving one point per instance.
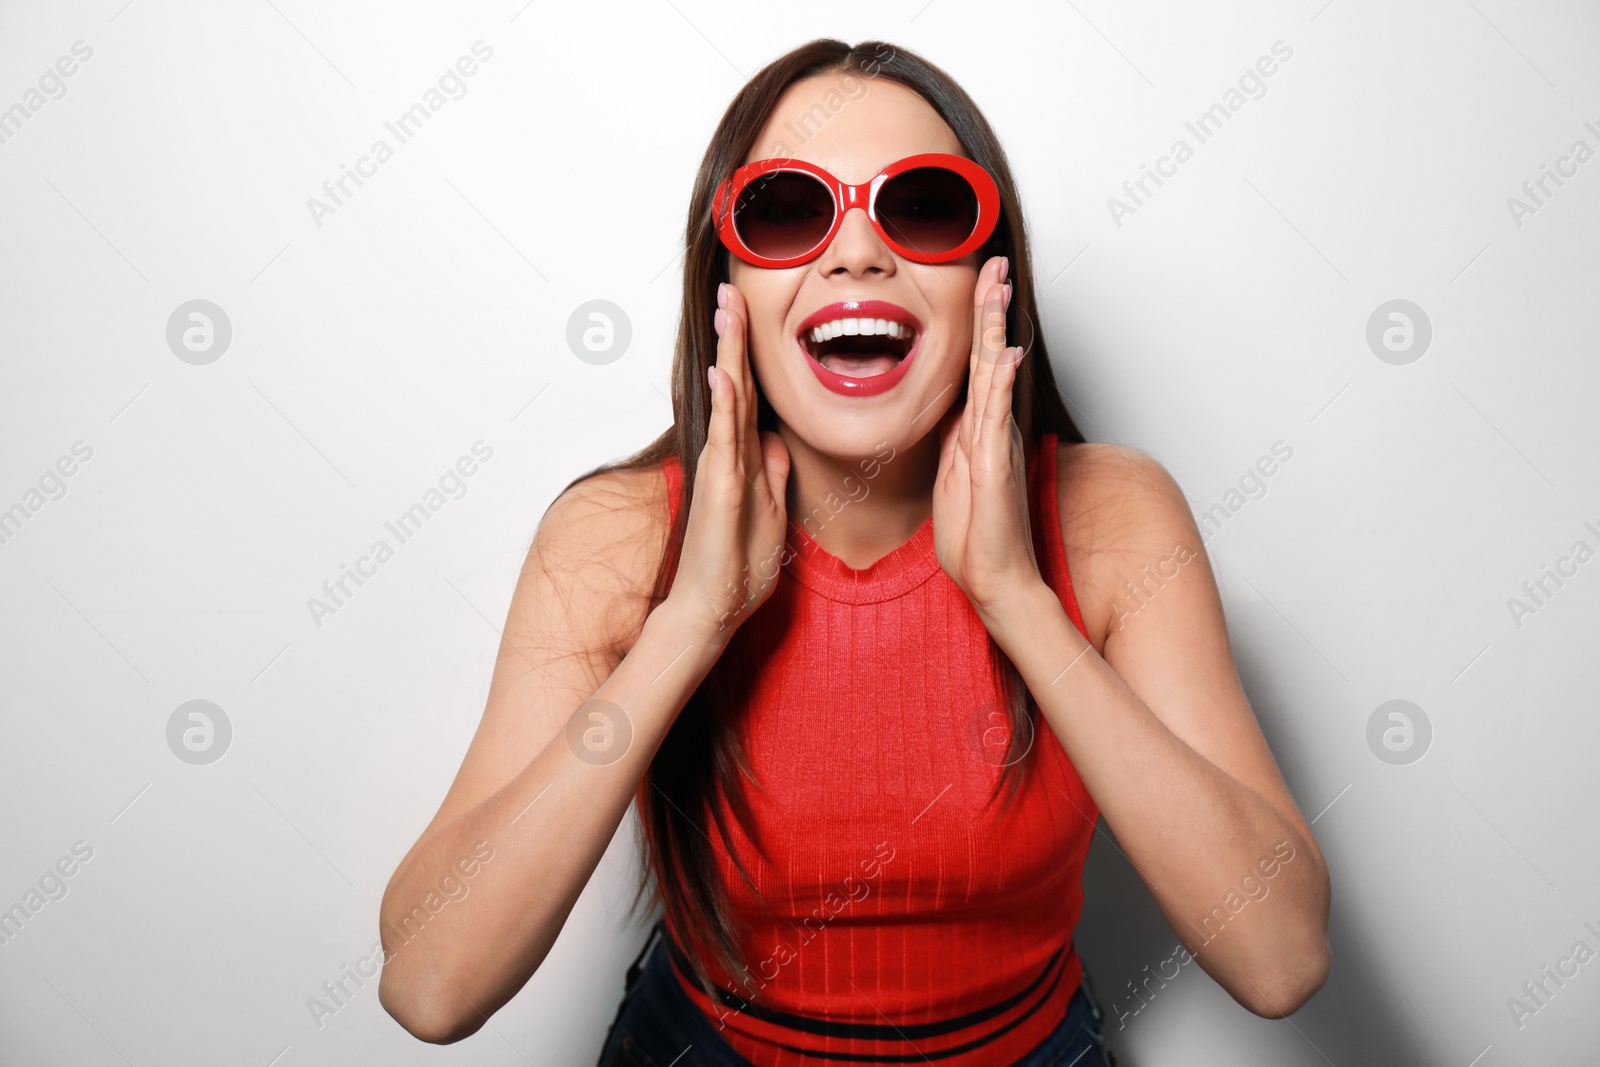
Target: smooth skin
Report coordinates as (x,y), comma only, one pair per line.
(1150,708)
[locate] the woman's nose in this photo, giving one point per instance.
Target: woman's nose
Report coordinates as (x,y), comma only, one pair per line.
(857,246)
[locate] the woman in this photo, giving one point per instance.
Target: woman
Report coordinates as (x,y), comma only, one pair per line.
(825,632)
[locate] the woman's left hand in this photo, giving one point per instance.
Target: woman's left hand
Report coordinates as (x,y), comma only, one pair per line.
(981,533)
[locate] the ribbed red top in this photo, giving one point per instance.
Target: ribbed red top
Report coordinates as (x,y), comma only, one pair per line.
(906,918)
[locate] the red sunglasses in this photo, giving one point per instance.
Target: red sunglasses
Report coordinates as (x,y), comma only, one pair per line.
(930,208)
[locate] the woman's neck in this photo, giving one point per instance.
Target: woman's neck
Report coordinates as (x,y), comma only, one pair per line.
(861,507)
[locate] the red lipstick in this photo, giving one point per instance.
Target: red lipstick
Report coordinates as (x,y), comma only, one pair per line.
(872,385)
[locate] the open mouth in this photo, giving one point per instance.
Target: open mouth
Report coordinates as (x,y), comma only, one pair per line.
(859,347)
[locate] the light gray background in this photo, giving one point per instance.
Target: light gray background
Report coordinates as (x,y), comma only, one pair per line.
(1228,313)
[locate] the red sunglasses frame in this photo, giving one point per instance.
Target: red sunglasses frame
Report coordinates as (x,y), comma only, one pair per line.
(865,196)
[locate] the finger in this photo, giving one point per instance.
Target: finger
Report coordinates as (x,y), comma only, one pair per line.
(960,454)
(776,463)
(992,350)
(988,278)
(718,451)
(749,394)
(965,435)
(949,432)
(731,359)
(994,430)
(985,339)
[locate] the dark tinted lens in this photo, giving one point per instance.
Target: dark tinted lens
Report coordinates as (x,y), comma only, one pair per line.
(783,215)
(929,209)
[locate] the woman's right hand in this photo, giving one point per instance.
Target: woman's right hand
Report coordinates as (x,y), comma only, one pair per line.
(734,541)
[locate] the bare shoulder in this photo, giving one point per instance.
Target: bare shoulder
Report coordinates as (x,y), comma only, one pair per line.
(1113,485)
(615,505)
(1120,509)
(597,552)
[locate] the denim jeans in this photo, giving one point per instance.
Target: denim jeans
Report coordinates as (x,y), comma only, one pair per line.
(657,1025)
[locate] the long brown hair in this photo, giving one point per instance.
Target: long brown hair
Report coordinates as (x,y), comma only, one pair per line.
(701,755)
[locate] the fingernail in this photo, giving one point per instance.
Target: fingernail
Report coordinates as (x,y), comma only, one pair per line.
(711,378)
(719,321)
(1005,267)
(722,294)
(1005,301)
(1017,354)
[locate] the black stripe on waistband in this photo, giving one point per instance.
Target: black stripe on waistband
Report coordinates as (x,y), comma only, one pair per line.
(935,1054)
(888,1032)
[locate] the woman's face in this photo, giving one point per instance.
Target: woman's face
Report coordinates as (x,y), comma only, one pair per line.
(852,127)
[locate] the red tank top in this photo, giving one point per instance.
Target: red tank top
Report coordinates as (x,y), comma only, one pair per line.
(905,918)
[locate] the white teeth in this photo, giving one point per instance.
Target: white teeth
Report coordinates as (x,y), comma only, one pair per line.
(855,327)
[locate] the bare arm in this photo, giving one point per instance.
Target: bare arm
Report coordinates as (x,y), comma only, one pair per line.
(543,785)
(1164,738)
